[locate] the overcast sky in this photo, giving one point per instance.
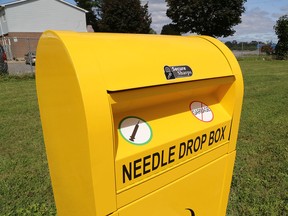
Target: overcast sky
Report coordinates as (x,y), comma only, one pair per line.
(257,22)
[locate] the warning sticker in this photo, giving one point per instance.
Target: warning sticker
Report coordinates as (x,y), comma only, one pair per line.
(135,130)
(201,111)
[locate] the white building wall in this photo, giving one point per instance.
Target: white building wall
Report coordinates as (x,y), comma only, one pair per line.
(40,15)
(3,22)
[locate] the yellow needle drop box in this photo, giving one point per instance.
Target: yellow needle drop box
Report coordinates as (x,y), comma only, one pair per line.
(138,125)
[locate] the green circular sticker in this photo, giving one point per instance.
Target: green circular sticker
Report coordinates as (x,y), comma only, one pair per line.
(135,130)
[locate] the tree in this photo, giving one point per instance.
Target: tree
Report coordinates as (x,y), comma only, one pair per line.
(170,29)
(267,48)
(152,31)
(251,46)
(93,8)
(125,16)
(281,30)
(206,17)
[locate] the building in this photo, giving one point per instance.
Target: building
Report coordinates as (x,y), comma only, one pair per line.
(23,21)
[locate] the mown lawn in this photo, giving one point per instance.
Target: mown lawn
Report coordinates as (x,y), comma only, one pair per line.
(260,181)
(25,187)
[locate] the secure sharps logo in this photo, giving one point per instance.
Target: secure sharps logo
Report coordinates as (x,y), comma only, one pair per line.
(173,72)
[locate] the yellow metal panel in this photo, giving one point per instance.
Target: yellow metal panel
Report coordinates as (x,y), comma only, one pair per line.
(136,58)
(233,98)
(122,138)
(146,186)
(227,182)
(75,128)
(130,61)
(173,124)
(200,191)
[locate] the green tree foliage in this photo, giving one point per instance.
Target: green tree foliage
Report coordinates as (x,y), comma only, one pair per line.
(251,46)
(125,16)
(170,29)
(267,48)
(281,30)
(92,6)
(206,17)
(152,31)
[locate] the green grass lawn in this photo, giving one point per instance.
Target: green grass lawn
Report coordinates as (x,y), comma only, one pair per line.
(260,180)
(25,187)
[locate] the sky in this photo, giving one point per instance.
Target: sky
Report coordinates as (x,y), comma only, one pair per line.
(257,21)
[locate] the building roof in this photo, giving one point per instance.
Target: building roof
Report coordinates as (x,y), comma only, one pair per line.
(9,3)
